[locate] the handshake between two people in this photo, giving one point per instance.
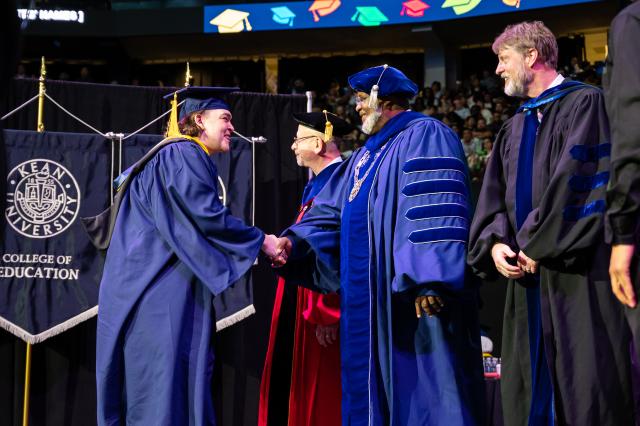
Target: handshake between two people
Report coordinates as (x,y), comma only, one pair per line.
(277,249)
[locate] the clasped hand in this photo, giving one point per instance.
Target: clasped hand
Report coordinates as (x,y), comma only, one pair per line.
(501,252)
(277,249)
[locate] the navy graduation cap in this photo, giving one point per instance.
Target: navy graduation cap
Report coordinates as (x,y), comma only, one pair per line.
(199,98)
(387,80)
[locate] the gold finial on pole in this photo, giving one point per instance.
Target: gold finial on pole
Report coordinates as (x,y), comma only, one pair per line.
(187,76)
(41,91)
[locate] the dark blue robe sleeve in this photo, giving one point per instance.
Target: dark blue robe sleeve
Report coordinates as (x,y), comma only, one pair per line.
(433,211)
(569,217)
(315,260)
(189,216)
(491,221)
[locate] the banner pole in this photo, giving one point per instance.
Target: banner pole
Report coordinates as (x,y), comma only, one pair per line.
(27,362)
(41,91)
(27,381)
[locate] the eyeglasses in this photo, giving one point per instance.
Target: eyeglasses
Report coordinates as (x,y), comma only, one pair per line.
(296,141)
(360,101)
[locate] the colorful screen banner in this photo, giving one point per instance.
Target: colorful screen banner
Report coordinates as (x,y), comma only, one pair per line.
(356,13)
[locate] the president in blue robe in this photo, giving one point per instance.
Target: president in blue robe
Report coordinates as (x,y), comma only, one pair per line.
(392,223)
(173,248)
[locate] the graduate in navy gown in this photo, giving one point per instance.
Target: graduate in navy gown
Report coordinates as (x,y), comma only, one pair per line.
(173,248)
(539,222)
(392,223)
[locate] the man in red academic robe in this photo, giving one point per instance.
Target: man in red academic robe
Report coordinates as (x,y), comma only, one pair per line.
(301,384)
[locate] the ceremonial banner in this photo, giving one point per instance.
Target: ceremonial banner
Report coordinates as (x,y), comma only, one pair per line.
(49,271)
(235,191)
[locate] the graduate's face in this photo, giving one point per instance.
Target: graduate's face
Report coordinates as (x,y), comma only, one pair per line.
(513,68)
(216,129)
(307,146)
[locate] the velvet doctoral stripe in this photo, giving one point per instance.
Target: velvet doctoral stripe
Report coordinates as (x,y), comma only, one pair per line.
(541,412)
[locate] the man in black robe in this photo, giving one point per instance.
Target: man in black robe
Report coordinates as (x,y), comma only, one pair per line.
(622,86)
(539,222)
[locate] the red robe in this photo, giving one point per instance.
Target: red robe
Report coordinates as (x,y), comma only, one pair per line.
(315,392)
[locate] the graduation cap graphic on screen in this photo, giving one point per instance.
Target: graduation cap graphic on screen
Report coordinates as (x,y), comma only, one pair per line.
(514,3)
(283,15)
(369,16)
(323,8)
(232,21)
(414,8)
(460,7)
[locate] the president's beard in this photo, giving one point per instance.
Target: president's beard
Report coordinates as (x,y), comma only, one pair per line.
(371,121)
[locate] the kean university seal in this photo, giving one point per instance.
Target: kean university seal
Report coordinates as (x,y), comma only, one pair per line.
(43,198)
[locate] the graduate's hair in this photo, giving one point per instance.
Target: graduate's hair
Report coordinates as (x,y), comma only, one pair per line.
(188,126)
(530,35)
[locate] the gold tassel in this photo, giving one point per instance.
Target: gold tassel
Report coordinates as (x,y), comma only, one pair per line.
(328,128)
(172,129)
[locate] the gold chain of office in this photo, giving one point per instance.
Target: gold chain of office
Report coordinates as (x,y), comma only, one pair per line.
(357,182)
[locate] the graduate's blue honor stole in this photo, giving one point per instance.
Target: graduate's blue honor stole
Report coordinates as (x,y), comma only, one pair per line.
(541,411)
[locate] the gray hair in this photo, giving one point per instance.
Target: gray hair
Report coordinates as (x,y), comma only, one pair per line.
(529,35)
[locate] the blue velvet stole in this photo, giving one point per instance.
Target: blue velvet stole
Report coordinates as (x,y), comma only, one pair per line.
(552,95)
(358,329)
(541,411)
(316,183)
(392,127)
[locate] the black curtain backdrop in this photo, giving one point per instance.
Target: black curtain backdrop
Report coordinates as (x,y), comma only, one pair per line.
(10,44)
(63,367)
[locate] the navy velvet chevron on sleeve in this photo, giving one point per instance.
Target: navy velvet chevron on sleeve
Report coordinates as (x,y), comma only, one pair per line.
(434,213)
